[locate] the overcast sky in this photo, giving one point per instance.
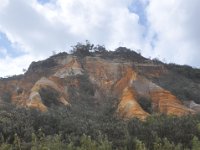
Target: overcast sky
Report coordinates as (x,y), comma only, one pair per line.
(31,29)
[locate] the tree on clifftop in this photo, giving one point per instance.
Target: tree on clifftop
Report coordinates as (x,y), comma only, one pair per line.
(82,49)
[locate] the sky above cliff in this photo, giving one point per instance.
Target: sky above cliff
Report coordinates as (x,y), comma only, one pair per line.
(31,30)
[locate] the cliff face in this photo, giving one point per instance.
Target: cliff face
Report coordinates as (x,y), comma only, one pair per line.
(57,80)
(129,107)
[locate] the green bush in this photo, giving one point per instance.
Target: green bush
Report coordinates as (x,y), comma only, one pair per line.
(195,143)
(81,49)
(75,128)
(49,96)
(6,97)
(145,103)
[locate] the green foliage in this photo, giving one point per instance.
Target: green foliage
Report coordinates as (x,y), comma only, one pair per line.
(6,97)
(127,54)
(165,145)
(42,142)
(87,143)
(47,142)
(195,143)
(99,49)
(187,71)
(86,86)
(6,146)
(145,104)
(17,142)
(44,66)
(80,129)
(81,49)
(49,96)
(87,49)
(139,145)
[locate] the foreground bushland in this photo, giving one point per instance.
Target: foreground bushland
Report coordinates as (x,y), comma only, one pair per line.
(67,128)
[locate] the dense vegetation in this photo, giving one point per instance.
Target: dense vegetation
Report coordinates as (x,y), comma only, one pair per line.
(88,49)
(64,128)
(186,71)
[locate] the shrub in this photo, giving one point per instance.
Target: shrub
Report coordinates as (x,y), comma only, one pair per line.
(195,143)
(82,49)
(49,96)
(145,103)
(99,49)
(6,97)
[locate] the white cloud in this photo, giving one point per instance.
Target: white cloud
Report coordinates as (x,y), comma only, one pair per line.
(40,29)
(4,3)
(14,66)
(177,25)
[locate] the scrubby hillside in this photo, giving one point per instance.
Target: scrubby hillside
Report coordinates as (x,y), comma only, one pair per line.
(97,74)
(93,90)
